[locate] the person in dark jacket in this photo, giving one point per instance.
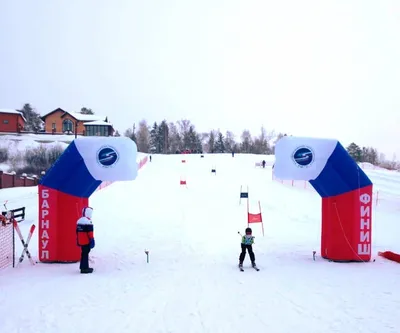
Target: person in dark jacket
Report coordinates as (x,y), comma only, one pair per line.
(85,238)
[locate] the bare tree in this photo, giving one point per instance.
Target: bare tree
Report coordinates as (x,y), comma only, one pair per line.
(204,140)
(143,137)
(274,141)
(229,141)
(247,142)
(184,126)
(261,145)
(175,141)
(131,133)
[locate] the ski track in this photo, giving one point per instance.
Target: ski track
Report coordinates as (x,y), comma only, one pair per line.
(192,283)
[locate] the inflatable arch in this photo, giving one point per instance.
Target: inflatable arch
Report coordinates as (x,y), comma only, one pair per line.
(66,187)
(345,189)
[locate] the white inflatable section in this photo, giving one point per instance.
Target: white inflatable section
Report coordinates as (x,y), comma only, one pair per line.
(122,159)
(286,167)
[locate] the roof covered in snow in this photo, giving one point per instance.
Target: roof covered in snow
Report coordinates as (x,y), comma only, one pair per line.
(12,111)
(86,117)
(98,123)
(76,115)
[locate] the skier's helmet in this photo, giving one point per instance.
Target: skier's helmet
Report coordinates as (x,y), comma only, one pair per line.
(248,231)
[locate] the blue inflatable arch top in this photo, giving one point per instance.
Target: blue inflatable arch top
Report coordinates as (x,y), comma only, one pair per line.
(88,161)
(323,162)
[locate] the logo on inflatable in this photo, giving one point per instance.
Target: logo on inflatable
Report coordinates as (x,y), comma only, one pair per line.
(107,156)
(303,156)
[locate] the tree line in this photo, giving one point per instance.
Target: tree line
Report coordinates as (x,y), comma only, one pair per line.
(175,137)
(180,136)
(371,155)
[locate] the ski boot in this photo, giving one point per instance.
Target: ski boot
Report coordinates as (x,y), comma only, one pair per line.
(253,264)
(86,270)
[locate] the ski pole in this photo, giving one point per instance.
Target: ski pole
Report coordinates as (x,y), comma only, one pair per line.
(147,254)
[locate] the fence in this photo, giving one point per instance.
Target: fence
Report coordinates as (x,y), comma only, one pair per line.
(7,245)
(380,197)
(8,180)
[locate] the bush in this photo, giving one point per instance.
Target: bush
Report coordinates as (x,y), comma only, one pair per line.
(3,155)
(390,165)
(36,158)
(40,159)
(16,161)
(53,154)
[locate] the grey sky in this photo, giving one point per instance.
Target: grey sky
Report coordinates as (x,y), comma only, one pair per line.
(314,68)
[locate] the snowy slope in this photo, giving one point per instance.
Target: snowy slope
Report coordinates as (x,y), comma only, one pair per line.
(192,283)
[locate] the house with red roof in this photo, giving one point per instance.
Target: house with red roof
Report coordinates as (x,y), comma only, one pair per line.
(11,121)
(60,121)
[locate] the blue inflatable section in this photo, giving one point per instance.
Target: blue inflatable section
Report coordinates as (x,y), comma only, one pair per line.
(340,175)
(70,175)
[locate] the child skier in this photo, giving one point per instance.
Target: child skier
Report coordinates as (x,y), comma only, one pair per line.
(247,244)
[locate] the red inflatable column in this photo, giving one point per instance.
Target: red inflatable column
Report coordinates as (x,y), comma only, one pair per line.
(48,213)
(58,214)
(69,211)
(364,226)
(346,226)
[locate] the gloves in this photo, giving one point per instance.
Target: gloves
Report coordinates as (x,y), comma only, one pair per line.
(91,243)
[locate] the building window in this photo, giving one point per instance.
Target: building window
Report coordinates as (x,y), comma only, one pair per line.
(53,126)
(96,130)
(5,121)
(67,125)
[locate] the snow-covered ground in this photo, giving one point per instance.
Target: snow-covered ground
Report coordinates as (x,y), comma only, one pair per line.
(38,137)
(192,283)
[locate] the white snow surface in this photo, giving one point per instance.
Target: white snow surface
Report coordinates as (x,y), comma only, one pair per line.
(192,283)
(98,122)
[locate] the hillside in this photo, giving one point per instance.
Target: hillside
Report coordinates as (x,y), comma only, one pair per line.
(191,282)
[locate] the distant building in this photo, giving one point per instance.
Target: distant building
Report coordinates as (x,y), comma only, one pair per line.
(60,121)
(11,121)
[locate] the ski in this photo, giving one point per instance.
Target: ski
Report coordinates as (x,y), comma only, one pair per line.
(242,269)
(25,244)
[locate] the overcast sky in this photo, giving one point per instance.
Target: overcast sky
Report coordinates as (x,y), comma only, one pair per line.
(307,68)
